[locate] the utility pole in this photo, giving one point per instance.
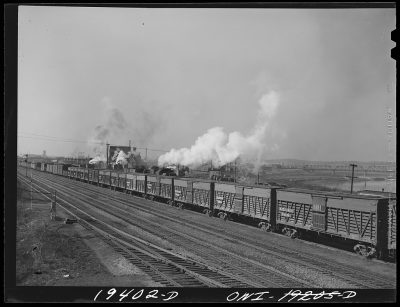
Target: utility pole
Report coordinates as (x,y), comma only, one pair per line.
(107,154)
(352,176)
(26,165)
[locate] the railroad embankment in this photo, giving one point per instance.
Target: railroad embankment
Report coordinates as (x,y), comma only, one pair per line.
(53,253)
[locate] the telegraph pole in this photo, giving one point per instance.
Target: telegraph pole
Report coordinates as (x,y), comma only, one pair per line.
(352,176)
(107,154)
(31,189)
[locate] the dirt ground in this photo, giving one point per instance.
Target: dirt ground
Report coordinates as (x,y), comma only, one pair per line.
(52,253)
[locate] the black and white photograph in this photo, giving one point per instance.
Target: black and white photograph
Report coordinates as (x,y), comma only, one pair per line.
(213,153)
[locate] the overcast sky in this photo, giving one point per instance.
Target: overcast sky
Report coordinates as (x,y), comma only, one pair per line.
(169,75)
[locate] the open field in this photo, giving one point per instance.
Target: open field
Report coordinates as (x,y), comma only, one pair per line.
(325,180)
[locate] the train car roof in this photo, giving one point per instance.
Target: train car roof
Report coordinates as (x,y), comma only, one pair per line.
(378,193)
(333,194)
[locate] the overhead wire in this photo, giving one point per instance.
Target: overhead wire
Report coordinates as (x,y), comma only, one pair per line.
(58,139)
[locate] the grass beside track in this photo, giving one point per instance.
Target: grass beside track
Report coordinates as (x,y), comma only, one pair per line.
(61,257)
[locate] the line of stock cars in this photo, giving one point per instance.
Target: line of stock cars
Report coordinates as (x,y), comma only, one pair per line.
(367,221)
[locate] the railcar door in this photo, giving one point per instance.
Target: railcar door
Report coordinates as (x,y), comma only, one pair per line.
(319,212)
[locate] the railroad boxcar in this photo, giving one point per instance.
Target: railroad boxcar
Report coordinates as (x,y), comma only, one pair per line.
(93,176)
(392,228)
(166,188)
(65,168)
(122,181)
(362,219)
(224,200)
(131,182)
(81,174)
(202,195)
(152,186)
(258,204)
(43,167)
(58,168)
(104,178)
(101,175)
(141,184)
(182,191)
(160,188)
(85,174)
(72,172)
(114,179)
(246,202)
(75,173)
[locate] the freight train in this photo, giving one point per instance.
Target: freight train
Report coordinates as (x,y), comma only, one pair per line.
(368,222)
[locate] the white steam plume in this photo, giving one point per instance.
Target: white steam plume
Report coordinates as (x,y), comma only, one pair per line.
(221,148)
(122,158)
(97,159)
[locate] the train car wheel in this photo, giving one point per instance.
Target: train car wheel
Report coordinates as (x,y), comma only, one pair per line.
(293,234)
(286,231)
(360,249)
(371,252)
(223,215)
(264,226)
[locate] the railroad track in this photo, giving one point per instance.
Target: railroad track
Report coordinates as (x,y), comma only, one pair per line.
(352,276)
(253,273)
(165,267)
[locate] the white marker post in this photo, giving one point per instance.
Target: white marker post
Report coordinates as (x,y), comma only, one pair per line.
(53,213)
